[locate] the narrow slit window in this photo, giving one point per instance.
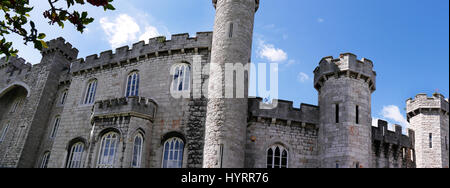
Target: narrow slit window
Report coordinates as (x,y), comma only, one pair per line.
(5,130)
(357,114)
(337,113)
(431,140)
(230,32)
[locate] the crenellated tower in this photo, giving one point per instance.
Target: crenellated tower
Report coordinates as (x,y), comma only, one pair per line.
(226,118)
(345,86)
(428,117)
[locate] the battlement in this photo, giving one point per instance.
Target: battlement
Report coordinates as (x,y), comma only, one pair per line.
(346,65)
(15,64)
(424,102)
(384,135)
(131,106)
(60,45)
(257,4)
(284,110)
(158,46)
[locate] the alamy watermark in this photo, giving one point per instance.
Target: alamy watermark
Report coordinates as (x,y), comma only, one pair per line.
(235,78)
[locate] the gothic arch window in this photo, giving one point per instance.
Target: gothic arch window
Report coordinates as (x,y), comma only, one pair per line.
(137,151)
(108,150)
(277,157)
(4,131)
(76,155)
(181,77)
(173,153)
(44,160)
(55,127)
(90,92)
(132,84)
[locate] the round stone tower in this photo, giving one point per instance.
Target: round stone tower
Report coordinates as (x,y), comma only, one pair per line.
(226,119)
(345,86)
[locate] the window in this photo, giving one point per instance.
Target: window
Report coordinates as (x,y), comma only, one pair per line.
(181,78)
(44,161)
(337,113)
(63,97)
(173,153)
(277,157)
(55,127)
(132,84)
(15,105)
(90,92)
(357,114)
(230,32)
(76,156)
(446,143)
(137,151)
(337,165)
(108,150)
(4,131)
(431,140)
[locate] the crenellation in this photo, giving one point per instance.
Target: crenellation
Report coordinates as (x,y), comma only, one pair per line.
(60,45)
(156,47)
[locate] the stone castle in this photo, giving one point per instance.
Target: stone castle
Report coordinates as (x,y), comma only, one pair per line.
(115,110)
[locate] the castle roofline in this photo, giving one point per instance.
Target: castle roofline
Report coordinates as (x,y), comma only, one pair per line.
(179,43)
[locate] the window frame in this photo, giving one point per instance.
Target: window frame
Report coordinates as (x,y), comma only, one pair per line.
(90,93)
(172,150)
(282,150)
(63,98)
(133,90)
(4,132)
(56,123)
(44,160)
(186,74)
(139,153)
(101,158)
(80,155)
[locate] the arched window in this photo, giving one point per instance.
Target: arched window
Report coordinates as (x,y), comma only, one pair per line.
(277,157)
(182,78)
(137,151)
(63,97)
(44,161)
(55,127)
(4,131)
(76,156)
(108,150)
(90,92)
(173,153)
(132,84)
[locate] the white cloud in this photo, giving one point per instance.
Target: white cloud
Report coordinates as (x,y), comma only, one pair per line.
(393,113)
(150,32)
(269,52)
(320,20)
(302,77)
(125,29)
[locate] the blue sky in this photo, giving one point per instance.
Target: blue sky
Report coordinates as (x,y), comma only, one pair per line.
(408,40)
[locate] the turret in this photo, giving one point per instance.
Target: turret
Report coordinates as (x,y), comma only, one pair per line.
(226,118)
(428,117)
(345,86)
(59,48)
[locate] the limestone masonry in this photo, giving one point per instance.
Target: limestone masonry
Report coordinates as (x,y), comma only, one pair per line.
(117,110)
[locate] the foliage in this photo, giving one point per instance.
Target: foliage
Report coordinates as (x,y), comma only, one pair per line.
(17,20)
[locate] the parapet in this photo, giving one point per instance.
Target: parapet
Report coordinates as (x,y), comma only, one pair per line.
(424,102)
(60,45)
(131,106)
(158,46)
(347,65)
(284,110)
(384,135)
(15,63)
